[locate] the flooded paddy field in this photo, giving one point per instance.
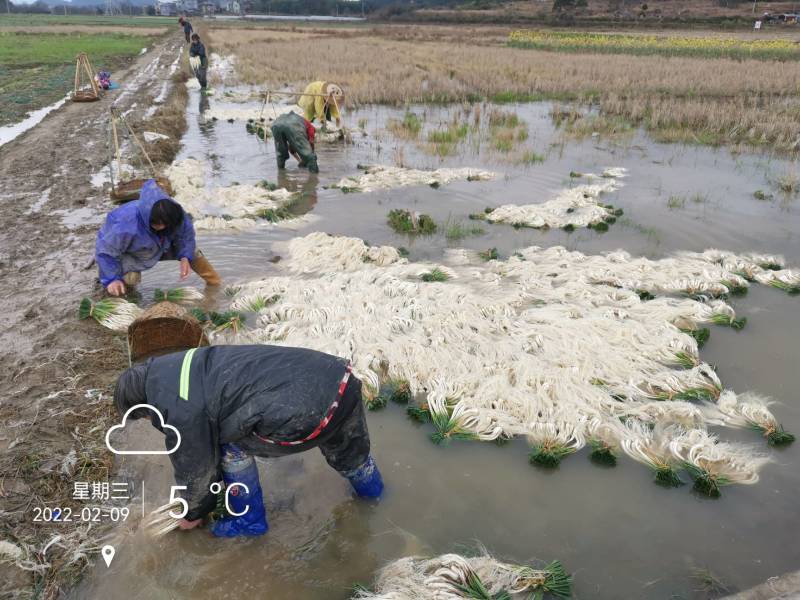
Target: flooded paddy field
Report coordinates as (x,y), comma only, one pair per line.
(619,534)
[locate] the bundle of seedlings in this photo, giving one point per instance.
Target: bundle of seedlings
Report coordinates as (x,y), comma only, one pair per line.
(752,412)
(713,464)
(179,295)
(405,221)
(456,576)
(382,177)
(231,320)
(531,346)
(435,274)
(159,522)
(114,313)
(554,438)
(573,207)
(254,303)
(649,445)
(604,438)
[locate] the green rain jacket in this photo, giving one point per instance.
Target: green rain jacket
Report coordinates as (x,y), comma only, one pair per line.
(290,133)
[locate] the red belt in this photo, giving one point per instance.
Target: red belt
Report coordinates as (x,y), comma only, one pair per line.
(324,422)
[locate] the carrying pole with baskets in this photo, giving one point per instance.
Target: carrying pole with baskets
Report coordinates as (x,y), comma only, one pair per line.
(83,68)
(124,191)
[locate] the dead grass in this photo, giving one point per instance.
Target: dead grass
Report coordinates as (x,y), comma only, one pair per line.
(71,423)
(168,120)
(618,10)
(685,99)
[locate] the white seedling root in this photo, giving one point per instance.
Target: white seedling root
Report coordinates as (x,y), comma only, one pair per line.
(443,577)
(381,177)
(159,522)
(121,315)
(578,206)
(538,345)
(230,207)
(727,463)
(184,295)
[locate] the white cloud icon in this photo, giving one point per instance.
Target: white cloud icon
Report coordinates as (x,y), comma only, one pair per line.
(163,426)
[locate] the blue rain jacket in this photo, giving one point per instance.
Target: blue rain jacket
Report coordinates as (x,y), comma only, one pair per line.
(125,242)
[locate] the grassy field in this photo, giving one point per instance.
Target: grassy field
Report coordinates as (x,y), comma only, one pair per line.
(36,69)
(99,21)
(699,99)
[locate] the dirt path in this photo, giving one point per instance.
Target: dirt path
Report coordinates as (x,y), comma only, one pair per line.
(55,371)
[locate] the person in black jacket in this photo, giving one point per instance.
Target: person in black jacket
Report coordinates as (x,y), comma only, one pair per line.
(230,403)
(197,51)
(187,28)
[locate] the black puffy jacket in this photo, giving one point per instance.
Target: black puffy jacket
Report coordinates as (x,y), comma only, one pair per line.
(279,392)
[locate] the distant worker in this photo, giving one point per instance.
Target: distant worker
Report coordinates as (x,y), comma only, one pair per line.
(187,28)
(198,60)
(295,135)
(139,234)
(323,101)
(230,403)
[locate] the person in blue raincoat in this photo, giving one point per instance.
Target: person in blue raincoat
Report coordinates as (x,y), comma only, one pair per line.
(141,233)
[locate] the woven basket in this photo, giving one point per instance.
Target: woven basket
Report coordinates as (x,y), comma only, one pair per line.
(125,191)
(85,96)
(162,329)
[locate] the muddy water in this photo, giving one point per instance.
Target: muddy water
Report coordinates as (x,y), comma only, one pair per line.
(620,535)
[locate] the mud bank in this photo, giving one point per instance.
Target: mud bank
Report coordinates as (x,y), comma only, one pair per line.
(55,372)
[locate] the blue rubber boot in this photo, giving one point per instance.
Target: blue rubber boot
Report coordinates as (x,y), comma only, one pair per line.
(248,503)
(366,479)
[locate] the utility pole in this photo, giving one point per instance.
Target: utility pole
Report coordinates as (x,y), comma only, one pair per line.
(362,9)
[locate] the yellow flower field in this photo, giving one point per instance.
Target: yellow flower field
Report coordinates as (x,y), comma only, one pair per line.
(711,47)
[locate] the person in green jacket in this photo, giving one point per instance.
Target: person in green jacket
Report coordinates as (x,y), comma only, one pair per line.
(295,135)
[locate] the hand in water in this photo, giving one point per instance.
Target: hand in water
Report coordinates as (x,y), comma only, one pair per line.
(186,525)
(185,268)
(116,288)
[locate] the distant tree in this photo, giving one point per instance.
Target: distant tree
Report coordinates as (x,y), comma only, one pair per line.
(565,5)
(37,7)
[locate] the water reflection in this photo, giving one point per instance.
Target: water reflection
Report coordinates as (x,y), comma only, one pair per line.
(623,536)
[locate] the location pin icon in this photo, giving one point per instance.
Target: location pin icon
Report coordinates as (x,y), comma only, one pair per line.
(108,554)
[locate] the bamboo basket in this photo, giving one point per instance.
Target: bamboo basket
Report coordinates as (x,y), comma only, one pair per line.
(162,329)
(125,191)
(85,96)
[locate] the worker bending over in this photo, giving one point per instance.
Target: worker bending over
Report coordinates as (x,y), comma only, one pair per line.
(322,100)
(198,60)
(187,28)
(230,403)
(140,233)
(295,135)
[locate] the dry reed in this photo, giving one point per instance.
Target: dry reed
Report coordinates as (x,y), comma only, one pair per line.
(718,100)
